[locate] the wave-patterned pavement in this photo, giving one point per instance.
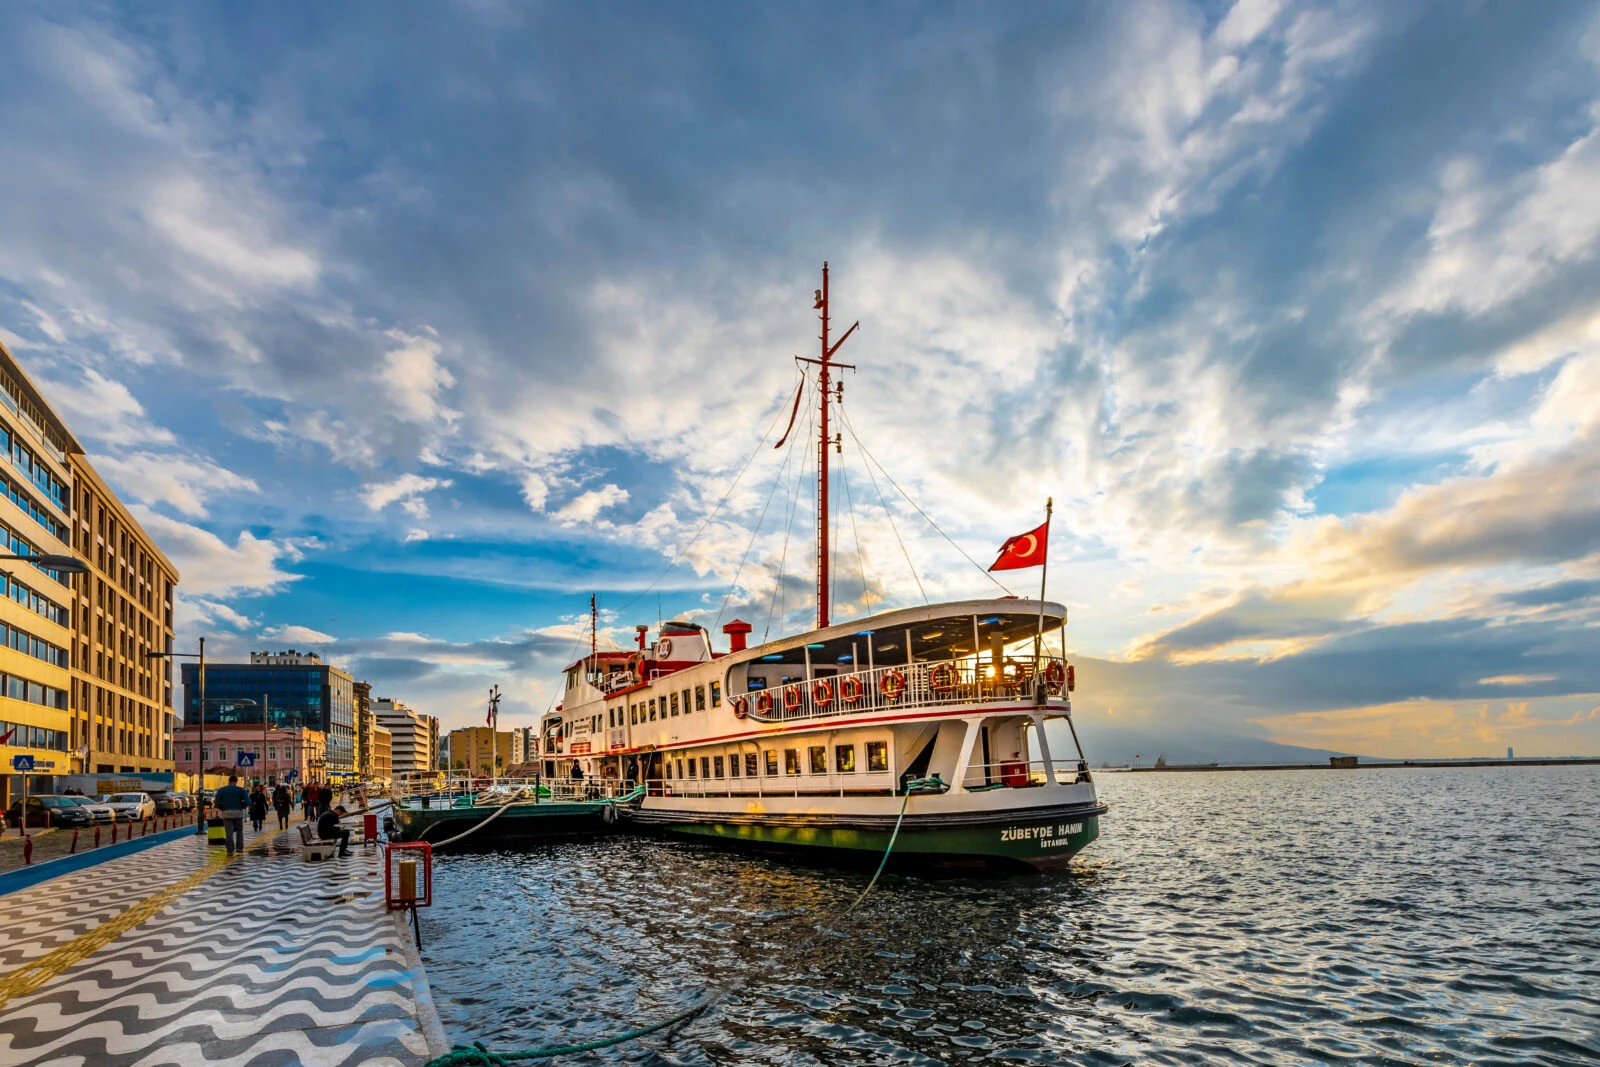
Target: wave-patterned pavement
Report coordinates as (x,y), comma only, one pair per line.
(268,961)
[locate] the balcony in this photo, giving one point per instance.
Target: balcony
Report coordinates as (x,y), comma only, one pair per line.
(907,687)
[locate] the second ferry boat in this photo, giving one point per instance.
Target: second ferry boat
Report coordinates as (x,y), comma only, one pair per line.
(947,721)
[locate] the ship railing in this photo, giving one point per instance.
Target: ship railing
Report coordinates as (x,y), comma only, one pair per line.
(1021,774)
(463,790)
(912,685)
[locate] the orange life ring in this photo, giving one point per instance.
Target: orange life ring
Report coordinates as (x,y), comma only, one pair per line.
(1055,676)
(821,693)
(892,685)
(942,678)
(792,698)
(741,707)
(480,782)
(849,689)
(764,703)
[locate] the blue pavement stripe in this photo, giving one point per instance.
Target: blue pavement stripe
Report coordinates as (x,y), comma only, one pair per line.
(25,877)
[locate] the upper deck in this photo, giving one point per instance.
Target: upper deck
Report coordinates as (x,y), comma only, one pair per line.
(895,664)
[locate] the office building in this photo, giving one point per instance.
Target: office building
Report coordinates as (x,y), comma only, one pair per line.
(295,755)
(414,737)
(382,755)
(480,750)
(365,723)
(76,690)
(299,690)
(523,748)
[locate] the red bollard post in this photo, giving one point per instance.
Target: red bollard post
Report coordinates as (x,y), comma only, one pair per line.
(74,847)
(27,847)
(113,831)
(97,837)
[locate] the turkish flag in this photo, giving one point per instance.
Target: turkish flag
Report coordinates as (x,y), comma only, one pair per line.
(1024,550)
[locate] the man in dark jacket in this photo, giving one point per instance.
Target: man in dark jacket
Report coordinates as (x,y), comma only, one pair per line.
(328,829)
(231,801)
(281,804)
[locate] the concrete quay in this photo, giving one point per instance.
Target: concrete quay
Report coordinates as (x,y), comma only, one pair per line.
(178,955)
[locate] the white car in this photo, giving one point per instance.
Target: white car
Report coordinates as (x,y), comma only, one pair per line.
(131,807)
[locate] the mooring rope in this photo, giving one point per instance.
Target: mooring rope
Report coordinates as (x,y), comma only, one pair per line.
(465,833)
(476,1055)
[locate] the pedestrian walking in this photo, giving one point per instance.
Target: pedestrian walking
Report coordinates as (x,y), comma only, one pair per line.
(258,806)
(308,799)
(231,802)
(281,803)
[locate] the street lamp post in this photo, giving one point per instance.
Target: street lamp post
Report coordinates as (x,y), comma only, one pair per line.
(200,822)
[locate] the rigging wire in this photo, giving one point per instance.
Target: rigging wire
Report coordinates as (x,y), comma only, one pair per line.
(678,552)
(780,599)
(781,478)
(874,460)
(855,534)
(887,513)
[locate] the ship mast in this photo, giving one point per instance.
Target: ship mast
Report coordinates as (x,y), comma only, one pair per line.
(824,439)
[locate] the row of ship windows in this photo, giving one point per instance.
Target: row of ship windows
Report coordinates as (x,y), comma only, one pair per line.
(646,711)
(749,765)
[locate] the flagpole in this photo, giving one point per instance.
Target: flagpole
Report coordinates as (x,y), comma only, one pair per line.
(1044,569)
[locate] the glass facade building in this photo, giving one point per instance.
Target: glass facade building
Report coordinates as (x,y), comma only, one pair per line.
(312,695)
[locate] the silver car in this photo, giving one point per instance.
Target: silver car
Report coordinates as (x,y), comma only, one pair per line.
(102,812)
(132,807)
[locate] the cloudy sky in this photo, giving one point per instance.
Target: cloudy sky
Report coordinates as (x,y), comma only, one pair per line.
(405,327)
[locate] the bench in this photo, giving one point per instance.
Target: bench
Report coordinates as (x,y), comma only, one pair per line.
(312,848)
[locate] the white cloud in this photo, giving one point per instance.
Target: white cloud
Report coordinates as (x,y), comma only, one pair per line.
(297,635)
(104,410)
(413,378)
(184,482)
(210,567)
(586,507)
(404,490)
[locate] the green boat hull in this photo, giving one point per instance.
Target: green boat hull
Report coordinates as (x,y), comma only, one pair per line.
(1040,843)
(520,825)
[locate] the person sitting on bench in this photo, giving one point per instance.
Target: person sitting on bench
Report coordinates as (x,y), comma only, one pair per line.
(328,829)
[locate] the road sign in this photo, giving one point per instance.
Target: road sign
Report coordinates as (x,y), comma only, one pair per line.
(247,759)
(22,763)
(290,775)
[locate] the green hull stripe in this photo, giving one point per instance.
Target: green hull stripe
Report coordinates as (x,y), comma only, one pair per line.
(1031,842)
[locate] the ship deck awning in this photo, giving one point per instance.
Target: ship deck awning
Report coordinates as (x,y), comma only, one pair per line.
(935,632)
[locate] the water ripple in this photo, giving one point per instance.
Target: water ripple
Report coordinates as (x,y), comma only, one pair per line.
(1293,917)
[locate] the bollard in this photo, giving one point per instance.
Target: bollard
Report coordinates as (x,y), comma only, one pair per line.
(74,847)
(27,847)
(113,831)
(97,837)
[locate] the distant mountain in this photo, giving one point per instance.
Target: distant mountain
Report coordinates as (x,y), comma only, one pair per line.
(1118,746)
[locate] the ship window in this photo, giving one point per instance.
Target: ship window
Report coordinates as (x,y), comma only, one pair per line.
(699,698)
(674,703)
(753,683)
(691,766)
(705,766)
(791,761)
(669,768)
(716,763)
(633,715)
(652,709)
(716,694)
(733,766)
(819,759)
(750,765)
(877,755)
(686,705)
(680,767)
(772,763)
(844,759)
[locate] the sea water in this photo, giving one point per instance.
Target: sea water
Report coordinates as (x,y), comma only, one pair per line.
(1370,916)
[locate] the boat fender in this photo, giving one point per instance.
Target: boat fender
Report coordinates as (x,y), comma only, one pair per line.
(764,703)
(849,689)
(609,814)
(821,693)
(792,698)
(741,707)
(942,678)
(893,685)
(664,649)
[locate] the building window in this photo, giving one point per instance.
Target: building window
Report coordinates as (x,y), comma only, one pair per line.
(716,763)
(819,759)
(844,759)
(791,761)
(705,766)
(699,698)
(272,751)
(772,763)
(222,753)
(674,703)
(877,756)
(716,694)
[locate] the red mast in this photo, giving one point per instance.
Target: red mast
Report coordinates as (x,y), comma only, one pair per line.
(823,441)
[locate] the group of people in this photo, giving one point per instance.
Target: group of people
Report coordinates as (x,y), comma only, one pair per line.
(233,802)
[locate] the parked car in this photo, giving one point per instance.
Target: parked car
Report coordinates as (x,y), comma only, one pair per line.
(131,807)
(49,811)
(100,813)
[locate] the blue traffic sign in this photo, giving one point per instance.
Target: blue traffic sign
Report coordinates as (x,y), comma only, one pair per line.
(290,775)
(22,763)
(247,759)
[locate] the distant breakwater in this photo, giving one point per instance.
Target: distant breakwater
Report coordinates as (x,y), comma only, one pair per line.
(1375,765)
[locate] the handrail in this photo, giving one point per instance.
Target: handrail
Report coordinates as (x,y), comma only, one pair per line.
(465,790)
(911,685)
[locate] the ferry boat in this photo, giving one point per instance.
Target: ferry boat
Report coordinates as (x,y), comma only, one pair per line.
(942,727)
